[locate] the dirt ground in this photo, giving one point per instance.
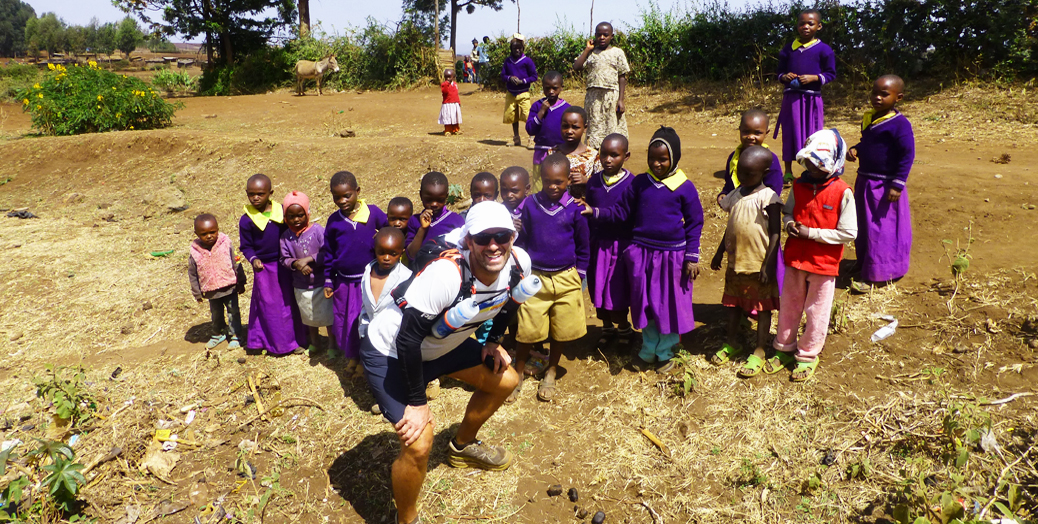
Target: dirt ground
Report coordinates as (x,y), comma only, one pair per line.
(82,289)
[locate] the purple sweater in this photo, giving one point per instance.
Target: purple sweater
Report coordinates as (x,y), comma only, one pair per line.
(546,134)
(306,245)
(600,195)
(772,178)
(264,245)
(520,238)
(446,222)
(887,150)
(556,234)
(818,59)
(524,69)
(349,246)
(663,220)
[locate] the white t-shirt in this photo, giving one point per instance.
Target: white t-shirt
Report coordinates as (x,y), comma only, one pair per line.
(433,290)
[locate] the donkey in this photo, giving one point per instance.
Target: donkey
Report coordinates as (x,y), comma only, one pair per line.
(306,69)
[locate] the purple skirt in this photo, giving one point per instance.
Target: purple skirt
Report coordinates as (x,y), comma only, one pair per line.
(657,292)
(274,322)
(607,280)
(801,115)
(347,304)
(884,243)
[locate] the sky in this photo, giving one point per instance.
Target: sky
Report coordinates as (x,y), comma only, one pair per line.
(539,17)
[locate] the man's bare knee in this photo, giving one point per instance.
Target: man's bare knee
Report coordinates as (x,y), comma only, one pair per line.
(420,449)
(508,381)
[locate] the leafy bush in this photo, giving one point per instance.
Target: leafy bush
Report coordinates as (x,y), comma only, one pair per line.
(15,77)
(257,72)
(173,81)
(89,99)
(69,395)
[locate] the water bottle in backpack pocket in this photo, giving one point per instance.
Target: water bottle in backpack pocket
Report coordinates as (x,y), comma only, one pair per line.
(455,318)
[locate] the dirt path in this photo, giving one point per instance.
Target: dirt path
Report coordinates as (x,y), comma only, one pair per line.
(81,288)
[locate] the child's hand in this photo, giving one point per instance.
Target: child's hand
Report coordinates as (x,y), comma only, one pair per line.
(543,112)
(328,292)
(689,272)
(792,229)
(298,265)
(715,264)
(518,223)
(807,79)
(789,77)
(257,265)
(764,276)
(621,108)
(720,198)
(239,289)
(588,210)
(590,45)
(852,155)
(306,271)
(426,218)
(803,231)
(893,194)
(515,80)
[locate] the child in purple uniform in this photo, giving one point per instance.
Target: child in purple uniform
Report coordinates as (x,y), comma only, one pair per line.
(886,151)
(349,245)
(557,242)
(435,219)
(663,259)
(274,323)
(805,65)
(546,124)
(300,253)
(515,185)
(517,73)
(606,280)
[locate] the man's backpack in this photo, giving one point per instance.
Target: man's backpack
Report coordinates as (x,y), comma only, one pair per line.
(439,249)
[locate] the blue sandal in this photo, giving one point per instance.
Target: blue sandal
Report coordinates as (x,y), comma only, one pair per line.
(215,341)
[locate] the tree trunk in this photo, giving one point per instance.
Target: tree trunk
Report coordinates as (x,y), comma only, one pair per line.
(304,18)
(436,25)
(454,23)
(208,35)
(228,50)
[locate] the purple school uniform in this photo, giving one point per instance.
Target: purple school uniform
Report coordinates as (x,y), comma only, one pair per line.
(274,323)
(308,244)
(885,156)
(606,280)
(443,223)
(520,237)
(348,248)
(557,234)
(524,69)
(666,229)
(802,111)
(546,134)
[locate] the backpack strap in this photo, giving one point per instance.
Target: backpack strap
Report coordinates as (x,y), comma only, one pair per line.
(454,256)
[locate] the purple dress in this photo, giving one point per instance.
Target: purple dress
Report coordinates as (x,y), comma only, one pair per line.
(349,245)
(885,156)
(802,110)
(546,134)
(665,231)
(274,322)
(607,282)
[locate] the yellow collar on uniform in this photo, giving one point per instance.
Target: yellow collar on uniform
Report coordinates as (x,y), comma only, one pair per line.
(276,215)
(734,164)
(673,180)
(797,44)
(362,213)
(610,180)
(867,120)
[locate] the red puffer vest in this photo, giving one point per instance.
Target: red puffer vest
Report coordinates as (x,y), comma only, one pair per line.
(816,206)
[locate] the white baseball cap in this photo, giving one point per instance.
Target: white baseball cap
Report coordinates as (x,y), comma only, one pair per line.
(485,216)
(518,36)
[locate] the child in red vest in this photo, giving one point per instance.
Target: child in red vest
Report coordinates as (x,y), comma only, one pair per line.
(450,110)
(820,218)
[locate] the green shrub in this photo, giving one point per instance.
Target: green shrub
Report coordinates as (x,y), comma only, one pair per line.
(257,72)
(15,77)
(173,81)
(88,99)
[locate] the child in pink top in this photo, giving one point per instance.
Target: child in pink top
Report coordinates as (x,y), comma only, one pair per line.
(216,275)
(450,110)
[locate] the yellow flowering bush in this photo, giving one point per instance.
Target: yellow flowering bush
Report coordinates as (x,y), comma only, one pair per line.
(88,99)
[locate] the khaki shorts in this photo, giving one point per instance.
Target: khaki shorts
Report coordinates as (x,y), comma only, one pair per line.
(535,179)
(517,107)
(556,310)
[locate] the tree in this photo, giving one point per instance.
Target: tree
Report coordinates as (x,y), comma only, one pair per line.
(45,33)
(128,36)
(104,42)
(13,16)
(76,39)
(231,26)
(304,18)
(455,6)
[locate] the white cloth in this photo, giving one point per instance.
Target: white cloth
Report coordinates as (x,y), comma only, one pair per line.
(825,149)
(450,114)
(431,292)
(372,304)
(314,309)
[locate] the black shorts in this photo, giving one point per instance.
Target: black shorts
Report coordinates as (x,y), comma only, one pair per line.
(387,381)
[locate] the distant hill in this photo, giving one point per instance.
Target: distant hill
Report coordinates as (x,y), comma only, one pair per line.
(188,47)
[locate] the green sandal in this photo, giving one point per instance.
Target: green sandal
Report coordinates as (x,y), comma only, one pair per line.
(752,367)
(780,361)
(726,353)
(804,367)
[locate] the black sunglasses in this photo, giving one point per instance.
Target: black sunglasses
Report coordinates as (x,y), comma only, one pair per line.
(501,237)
